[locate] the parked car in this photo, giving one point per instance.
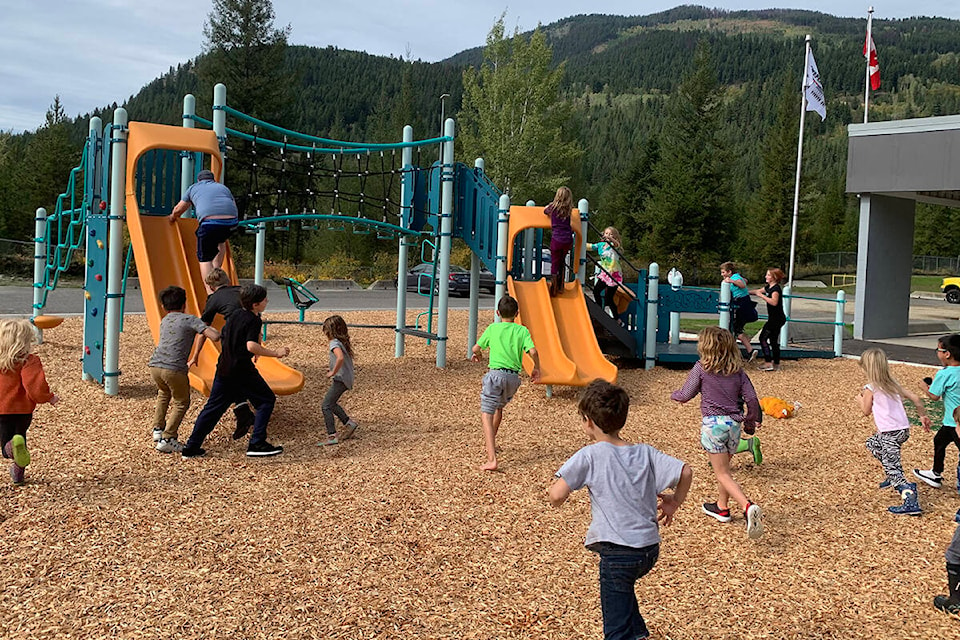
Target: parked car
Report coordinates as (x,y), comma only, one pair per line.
(951,290)
(420,278)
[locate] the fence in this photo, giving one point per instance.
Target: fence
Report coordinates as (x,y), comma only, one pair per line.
(924,264)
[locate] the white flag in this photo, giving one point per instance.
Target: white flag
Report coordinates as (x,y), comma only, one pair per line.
(813,90)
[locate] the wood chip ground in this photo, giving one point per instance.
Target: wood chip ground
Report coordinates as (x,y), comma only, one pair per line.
(396,534)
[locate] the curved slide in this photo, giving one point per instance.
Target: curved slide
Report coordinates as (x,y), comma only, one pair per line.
(560,326)
(167,254)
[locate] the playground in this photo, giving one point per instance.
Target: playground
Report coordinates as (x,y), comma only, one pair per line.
(396,534)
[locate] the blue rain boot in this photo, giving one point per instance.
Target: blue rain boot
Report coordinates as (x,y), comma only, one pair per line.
(910,506)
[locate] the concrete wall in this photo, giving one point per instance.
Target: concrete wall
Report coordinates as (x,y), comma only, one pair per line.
(884,264)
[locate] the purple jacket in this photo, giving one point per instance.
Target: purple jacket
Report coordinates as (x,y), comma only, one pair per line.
(720,395)
(562,231)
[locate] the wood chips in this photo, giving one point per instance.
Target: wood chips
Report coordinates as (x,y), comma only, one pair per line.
(396,534)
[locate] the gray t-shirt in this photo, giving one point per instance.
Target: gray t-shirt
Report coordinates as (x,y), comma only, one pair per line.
(953,551)
(177,332)
(345,374)
(623,482)
(210,198)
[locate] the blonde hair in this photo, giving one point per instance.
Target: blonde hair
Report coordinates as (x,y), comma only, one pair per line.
(614,236)
(718,351)
(877,369)
(563,202)
(16,340)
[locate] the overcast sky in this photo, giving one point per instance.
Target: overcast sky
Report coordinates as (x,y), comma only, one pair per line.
(96,52)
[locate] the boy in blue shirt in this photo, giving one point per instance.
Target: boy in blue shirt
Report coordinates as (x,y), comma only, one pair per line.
(945,385)
(626,482)
(507,341)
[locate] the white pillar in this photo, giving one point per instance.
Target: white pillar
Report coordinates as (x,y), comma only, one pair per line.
(653,293)
(529,235)
(676,281)
(446,231)
(220,125)
(838,328)
(118,166)
(407,162)
(581,269)
(503,228)
(787,303)
(39,263)
(187,168)
(725,296)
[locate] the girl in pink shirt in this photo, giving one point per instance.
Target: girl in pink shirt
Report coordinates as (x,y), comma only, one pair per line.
(883,397)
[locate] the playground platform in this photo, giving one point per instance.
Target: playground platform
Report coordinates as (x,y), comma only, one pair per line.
(686,352)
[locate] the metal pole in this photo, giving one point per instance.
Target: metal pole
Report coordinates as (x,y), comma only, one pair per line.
(446,232)
(838,328)
(39,263)
(406,161)
(796,188)
(866,45)
(503,219)
(724,320)
(653,291)
(474,303)
(186,162)
(584,208)
(220,126)
(529,236)
(111,365)
(676,281)
(787,304)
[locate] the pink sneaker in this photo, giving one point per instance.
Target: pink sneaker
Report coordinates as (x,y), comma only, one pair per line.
(8,449)
(16,474)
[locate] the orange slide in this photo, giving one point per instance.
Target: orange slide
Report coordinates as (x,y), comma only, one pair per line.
(167,254)
(560,326)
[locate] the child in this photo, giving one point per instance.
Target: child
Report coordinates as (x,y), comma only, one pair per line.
(169,366)
(610,277)
(22,387)
(507,341)
(237,378)
(624,481)
(720,379)
(561,239)
(951,603)
(883,397)
(741,308)
(946,385)
(772,294)
(224,300)
(341,370)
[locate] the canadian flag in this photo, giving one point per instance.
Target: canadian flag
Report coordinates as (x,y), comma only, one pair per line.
(873,63)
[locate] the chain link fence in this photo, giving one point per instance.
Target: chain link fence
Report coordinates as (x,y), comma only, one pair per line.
(844,260)
(16,258)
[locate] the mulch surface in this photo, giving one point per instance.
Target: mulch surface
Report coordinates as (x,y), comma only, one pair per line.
(397,534)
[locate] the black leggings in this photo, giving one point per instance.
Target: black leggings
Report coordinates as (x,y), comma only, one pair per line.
(770,340)
(603,294)
(945,435)
(13,424)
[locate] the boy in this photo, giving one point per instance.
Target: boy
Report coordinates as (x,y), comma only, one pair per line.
(237,377)
(224,300)
(624,481)
(169,365)
(951,603)
(507,341)
(946,385)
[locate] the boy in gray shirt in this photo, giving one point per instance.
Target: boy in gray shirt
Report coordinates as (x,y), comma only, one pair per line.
(168,366)
(626,482)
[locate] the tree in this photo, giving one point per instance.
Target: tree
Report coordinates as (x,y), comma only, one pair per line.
(628,195)
(247,53)
(513,117)
(687,209)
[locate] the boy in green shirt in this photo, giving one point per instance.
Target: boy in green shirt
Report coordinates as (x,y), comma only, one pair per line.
(507,341)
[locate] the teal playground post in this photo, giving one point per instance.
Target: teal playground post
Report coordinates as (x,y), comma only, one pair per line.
(404,242)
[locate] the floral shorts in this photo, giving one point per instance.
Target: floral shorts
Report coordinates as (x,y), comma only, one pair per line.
(719,434)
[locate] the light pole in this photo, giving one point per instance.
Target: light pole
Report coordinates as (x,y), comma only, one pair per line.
(443,97)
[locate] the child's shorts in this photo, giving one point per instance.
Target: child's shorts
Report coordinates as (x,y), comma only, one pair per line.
(499,387)
(719,434)
(210,235)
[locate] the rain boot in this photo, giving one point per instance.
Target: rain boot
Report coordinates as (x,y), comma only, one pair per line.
(951,603)
(753,446)
(743,445)
(910,506)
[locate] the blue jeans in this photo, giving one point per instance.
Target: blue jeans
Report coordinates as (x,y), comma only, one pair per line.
(620,568)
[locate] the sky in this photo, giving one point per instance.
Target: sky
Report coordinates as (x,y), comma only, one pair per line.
(93,53)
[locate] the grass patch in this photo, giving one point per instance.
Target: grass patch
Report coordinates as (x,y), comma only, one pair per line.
(693,325)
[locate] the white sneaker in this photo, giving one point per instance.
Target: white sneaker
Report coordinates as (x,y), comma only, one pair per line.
(754,521)
(157,435)
(931,478)
(169,445)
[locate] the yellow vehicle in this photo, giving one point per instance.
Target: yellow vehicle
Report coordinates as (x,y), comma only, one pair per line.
(951,290)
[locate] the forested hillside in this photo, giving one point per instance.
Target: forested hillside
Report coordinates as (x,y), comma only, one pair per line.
(621,78)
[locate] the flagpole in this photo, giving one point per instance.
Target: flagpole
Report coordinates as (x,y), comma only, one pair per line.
(866,88)
(796,188)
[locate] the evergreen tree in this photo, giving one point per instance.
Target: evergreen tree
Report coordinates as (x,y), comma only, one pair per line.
(246,52)
(627,198)
(687,209)
(512,116)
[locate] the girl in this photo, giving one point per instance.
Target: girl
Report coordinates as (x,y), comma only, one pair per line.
(883,397)
(609,279)
(22,387)
(720,379)
(341,370)
(742,309)
(561,241)
(772,294)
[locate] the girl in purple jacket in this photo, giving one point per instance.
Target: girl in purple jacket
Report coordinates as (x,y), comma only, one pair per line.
(561,242)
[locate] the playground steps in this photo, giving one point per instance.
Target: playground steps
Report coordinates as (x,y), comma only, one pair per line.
(614,340)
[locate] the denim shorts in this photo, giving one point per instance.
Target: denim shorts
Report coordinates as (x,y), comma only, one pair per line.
(719,434)
(499,387)
(210,235)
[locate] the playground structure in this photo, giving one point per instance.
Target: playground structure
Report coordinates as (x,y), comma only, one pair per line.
(145,167)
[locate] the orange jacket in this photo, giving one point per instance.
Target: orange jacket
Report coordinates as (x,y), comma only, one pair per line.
(22,389)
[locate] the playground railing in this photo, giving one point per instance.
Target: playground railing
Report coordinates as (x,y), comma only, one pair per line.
(837,323)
